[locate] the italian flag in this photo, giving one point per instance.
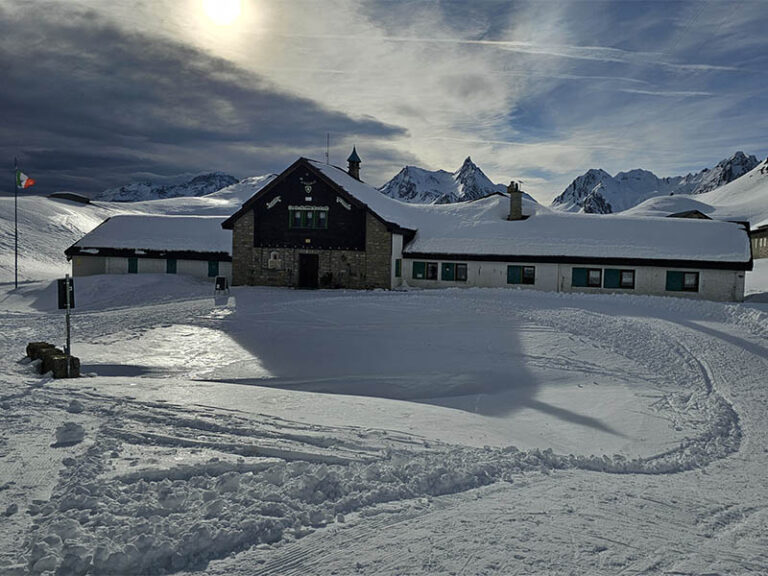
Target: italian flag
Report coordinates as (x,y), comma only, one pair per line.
(22,180)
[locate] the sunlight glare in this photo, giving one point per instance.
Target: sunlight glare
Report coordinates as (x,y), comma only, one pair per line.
(223,12)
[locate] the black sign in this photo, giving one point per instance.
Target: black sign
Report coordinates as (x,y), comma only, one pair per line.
(63,283)
(221,283)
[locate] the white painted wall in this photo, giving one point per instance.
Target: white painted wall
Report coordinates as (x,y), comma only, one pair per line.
(722,285)
(86,265)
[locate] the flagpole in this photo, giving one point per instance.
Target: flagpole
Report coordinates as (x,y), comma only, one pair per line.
(15,225)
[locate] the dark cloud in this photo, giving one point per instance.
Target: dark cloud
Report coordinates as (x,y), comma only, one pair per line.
(88,105)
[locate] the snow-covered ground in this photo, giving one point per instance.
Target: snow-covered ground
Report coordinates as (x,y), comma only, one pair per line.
(274,431)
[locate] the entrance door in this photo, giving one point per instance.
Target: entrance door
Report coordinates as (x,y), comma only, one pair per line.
(309,266)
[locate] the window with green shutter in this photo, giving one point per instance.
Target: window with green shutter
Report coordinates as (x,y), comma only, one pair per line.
(514,274)
(461,272)
(170,266)
(448,272)
(674,281)
(419,270)
(398,268)
(213,268)
(579,277)
(133,265)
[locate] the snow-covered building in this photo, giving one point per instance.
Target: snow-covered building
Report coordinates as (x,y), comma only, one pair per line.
(317,225)
(139,244)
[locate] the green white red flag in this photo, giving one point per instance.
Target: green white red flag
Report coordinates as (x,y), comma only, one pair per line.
(22,180)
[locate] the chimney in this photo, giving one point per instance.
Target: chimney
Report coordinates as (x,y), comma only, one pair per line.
(515,201)
(353,166)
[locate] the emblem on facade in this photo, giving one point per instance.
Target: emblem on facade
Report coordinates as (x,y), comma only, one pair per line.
(307,185)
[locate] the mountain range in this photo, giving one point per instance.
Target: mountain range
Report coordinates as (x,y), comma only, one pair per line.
(597,192)
(139,191)
(419,186)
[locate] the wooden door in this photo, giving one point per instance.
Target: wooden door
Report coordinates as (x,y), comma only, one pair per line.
(309,267)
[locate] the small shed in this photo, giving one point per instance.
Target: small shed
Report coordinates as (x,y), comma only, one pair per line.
(139,244)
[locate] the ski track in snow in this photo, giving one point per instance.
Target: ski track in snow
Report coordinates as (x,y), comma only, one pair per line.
(176,486)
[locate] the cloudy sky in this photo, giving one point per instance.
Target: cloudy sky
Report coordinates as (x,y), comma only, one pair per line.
(98,94)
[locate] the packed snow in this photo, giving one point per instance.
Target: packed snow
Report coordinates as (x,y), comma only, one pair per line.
(460,431)
(274,431)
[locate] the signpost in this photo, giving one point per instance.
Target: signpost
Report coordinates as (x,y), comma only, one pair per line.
(67,302)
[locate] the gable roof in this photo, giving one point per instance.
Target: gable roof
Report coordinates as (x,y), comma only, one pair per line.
(161,236)
(358,193)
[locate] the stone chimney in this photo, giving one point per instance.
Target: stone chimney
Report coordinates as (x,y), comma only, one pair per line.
(515,201)
(353,166)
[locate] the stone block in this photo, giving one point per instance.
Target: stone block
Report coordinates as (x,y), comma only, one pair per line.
(59,366)
(35,348)
(45,355)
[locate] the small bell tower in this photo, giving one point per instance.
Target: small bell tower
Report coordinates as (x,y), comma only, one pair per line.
(353,164)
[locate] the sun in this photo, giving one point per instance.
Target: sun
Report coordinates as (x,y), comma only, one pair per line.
(223,12)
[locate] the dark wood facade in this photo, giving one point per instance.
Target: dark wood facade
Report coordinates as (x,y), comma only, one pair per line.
(304,192)
(304,230)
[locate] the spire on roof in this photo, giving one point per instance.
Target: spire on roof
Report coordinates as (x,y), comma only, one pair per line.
(354,157)
(353,166)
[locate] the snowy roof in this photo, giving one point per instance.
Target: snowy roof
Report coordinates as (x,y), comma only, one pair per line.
(159,233)
(481,228)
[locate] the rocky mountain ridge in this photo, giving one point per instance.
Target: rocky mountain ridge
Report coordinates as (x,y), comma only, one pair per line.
(597,192)
(419,186)
(200,185)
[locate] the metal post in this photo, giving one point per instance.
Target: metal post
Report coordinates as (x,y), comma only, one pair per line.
(15,226)
(68,348)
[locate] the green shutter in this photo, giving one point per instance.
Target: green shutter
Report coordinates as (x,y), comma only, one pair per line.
(448,272)
(133,265)
(170,266)
(579,276)
(398,268)
(674,281)
(419,270)
(213,268)
(514,274)
(611,278)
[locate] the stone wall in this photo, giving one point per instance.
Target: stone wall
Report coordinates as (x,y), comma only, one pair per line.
(268,266)
(378,248)
(242,250)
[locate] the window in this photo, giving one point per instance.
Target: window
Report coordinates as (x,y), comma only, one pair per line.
(418,271)
(170,266)
(682,281)
(614,278)
(691,281)
(213,268)
(398,268)
(448,272)
(627,279)
(521,274)
(424,270)
(304,217)
(461,272)
(586,277)
(133,265)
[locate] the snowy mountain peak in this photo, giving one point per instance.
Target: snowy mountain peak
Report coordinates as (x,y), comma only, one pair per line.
(200,185)
(598,192)
(419,186)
